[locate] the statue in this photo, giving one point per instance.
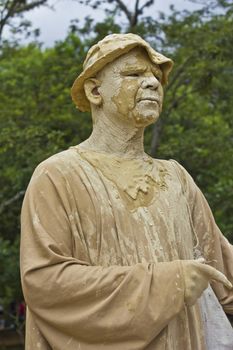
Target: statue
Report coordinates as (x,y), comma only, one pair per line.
(118,248)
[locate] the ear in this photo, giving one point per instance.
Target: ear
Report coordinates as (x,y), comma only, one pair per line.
(91,90)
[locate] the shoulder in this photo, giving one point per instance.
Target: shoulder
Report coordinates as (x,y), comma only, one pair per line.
(60,159)
(55,169)
(177,173)
(171,165)
(58,163)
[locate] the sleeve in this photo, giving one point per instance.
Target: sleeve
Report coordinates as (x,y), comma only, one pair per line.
(94,304)
(215,248)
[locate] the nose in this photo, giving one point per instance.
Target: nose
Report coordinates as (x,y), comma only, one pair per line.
(150,82)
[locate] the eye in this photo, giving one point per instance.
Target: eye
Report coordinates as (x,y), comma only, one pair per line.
(158,77)
(133,75)
(158,74)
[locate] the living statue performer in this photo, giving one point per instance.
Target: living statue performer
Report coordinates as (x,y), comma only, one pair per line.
(117,247)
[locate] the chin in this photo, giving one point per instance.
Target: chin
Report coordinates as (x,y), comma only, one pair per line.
(143,120)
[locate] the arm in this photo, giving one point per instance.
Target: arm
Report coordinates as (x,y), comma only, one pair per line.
(95,304)
(215,248)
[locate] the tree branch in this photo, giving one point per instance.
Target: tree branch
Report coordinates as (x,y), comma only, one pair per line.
(11,200)
(179,71)
(124,9)
(30,6)
(134,17)
(175,102)
(9,9)
(147,4)
(14,8)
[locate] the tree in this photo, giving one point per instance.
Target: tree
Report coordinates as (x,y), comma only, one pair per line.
(11,9)
(37,119)
(119,7)
(37,116)
(197,123)
(10,288)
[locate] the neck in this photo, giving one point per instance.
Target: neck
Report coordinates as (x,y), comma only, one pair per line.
(117,138)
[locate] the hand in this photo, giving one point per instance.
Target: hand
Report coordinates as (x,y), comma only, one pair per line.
(197,276)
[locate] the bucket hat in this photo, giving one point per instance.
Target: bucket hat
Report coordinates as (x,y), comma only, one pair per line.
(105,51)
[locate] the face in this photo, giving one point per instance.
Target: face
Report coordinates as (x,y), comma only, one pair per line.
(131,89)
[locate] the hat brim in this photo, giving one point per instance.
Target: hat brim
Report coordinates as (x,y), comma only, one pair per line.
(77,90)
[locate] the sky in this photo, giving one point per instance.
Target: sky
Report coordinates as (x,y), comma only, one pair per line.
(54,24)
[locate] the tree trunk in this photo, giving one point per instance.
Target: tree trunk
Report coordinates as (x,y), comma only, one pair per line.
(156,135)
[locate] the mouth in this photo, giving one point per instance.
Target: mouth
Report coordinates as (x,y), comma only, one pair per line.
(150,99)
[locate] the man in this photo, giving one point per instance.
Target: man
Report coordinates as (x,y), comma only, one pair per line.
(110,235)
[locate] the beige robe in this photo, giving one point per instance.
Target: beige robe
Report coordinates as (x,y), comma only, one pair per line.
(100,273)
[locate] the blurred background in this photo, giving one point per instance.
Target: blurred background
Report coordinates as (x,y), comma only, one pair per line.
(42,46)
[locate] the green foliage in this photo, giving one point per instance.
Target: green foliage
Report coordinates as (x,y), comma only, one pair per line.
(37,119)
(197,118)
(37,116)
(10,288)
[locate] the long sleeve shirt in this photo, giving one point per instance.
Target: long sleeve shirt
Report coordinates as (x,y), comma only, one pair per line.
(100,264)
